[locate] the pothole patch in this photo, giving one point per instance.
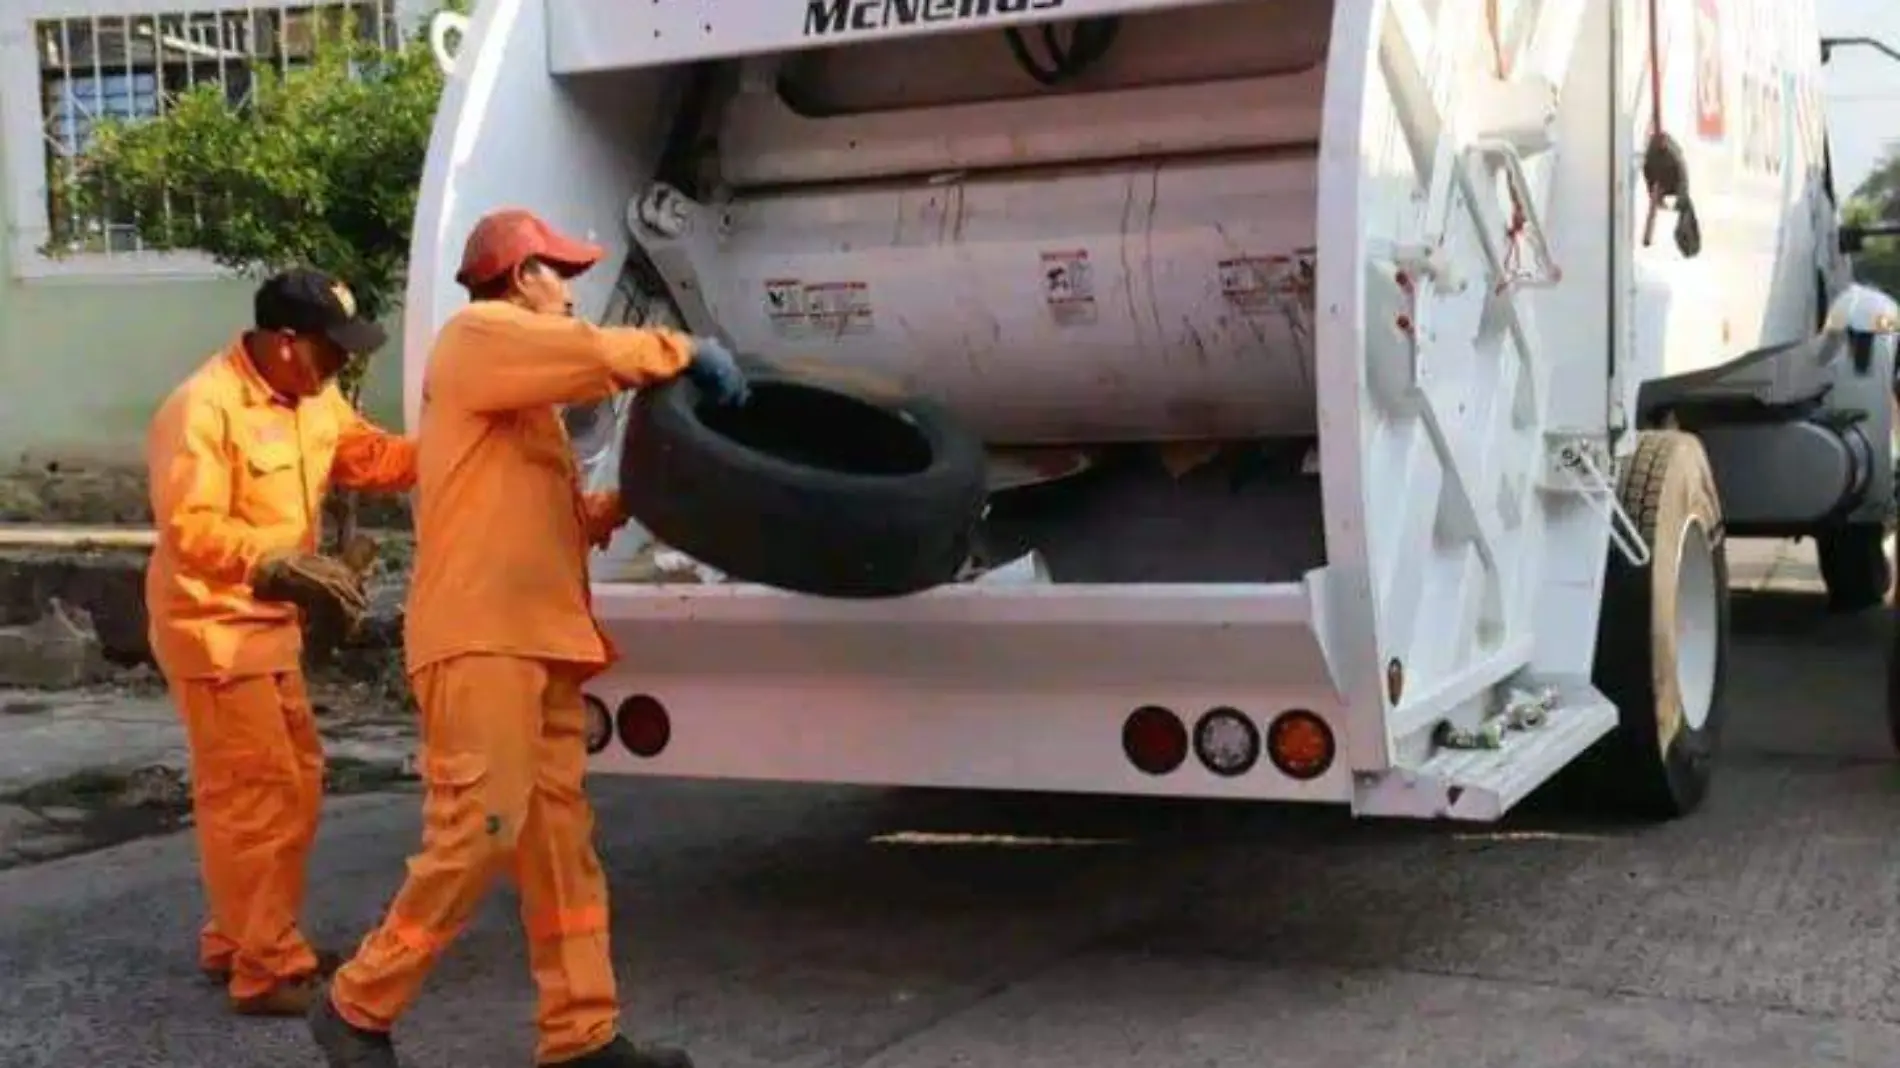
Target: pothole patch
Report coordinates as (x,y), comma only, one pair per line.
(100,808)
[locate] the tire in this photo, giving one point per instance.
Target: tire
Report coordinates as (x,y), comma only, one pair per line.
(807,487)
(1663,637)
(1854,566)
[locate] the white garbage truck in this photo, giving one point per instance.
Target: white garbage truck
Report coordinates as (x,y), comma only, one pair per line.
(1369,387)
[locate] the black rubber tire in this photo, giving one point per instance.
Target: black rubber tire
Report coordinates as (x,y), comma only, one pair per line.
(1656,765)
(1854,566)
(808,487)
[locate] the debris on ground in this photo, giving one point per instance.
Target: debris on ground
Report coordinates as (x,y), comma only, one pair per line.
(102,573)
(91,768)
(91,752)
(57,651)
(89,810)
(107,583)
(97,808)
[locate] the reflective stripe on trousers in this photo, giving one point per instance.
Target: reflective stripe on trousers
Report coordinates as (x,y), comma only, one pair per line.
(504,759)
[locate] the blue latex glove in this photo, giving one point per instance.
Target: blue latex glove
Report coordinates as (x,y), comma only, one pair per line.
(715,373)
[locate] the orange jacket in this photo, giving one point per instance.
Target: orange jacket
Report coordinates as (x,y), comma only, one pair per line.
(237,473)
(502,528)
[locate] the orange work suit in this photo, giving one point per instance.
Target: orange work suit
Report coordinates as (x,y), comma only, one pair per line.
(499,636)
(238,473)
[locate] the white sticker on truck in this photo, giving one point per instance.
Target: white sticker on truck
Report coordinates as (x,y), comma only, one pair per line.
(797,309)
(1248,282)
(1068,286)
(1257,285)
(838,307)
(785,305)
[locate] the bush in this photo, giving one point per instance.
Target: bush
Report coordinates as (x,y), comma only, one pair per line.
(1877,201)
(319,166)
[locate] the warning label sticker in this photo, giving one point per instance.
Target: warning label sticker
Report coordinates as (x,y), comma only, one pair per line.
(1068,286)
(810,309)
(784,304)
(1255,284)
(838,307)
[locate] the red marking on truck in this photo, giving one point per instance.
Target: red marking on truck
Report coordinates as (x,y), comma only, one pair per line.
(1711,120)
(1262,283)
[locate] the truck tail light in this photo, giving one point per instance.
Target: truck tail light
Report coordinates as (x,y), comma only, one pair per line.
(644,726)
(1300,744)
(1154,740)
(1227,742)
(600,724)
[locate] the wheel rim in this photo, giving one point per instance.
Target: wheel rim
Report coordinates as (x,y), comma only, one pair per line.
(1697,624)
(1893,568)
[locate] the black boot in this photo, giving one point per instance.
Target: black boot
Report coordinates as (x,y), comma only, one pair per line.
(345,1045)
(621,1053)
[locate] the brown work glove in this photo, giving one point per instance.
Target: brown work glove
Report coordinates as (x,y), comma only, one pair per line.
(317,584)
(602,514)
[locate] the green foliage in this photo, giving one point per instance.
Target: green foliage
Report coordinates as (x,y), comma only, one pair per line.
(318,166)
(1881,190)
(1878,201)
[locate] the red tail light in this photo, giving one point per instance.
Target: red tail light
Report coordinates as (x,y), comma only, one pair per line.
(644,726)
(1154,739)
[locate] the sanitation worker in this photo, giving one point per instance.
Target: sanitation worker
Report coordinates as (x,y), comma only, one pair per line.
(500,635)
(240,457)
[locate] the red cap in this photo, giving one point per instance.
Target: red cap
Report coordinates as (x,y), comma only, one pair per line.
(504,239)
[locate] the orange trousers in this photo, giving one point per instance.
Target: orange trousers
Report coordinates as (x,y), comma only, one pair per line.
(256,795)
(503,761)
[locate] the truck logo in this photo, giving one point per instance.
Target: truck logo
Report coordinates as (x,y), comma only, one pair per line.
(824,18)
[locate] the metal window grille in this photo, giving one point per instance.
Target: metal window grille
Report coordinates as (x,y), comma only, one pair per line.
(136,66)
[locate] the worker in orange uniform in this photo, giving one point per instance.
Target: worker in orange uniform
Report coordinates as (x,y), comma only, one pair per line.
(500,635)
(240,457)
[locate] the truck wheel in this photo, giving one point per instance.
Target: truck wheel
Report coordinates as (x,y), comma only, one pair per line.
(1662,639)
(1854,566)
(806,487)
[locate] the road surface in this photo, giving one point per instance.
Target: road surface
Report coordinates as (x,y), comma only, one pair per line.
(803,927)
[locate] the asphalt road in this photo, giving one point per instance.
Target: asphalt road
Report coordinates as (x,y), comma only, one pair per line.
(780,926)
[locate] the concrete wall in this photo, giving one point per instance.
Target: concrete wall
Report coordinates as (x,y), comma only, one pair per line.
(84,363)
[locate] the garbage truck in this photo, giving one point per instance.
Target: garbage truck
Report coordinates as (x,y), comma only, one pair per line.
(1367,389)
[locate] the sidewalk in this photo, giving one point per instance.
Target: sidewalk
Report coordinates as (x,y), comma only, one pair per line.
(1785,566)
(82,770)
(49,736)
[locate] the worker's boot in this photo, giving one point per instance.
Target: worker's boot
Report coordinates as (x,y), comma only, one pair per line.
(292,998)
(621,1053)
(345,1045)
(328,961)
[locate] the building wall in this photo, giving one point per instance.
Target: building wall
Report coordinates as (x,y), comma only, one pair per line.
(85,362)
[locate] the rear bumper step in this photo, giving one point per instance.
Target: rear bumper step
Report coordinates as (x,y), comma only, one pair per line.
(1002,687)
(1481,785)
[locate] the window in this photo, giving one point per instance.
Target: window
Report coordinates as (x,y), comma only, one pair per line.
(131,59)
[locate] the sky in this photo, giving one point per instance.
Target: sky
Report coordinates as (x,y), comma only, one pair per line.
(1863,86)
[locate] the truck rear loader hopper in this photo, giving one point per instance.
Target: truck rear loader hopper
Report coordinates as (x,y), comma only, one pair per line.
(1181,247)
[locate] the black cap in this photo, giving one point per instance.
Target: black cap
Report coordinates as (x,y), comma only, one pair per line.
(311,302)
